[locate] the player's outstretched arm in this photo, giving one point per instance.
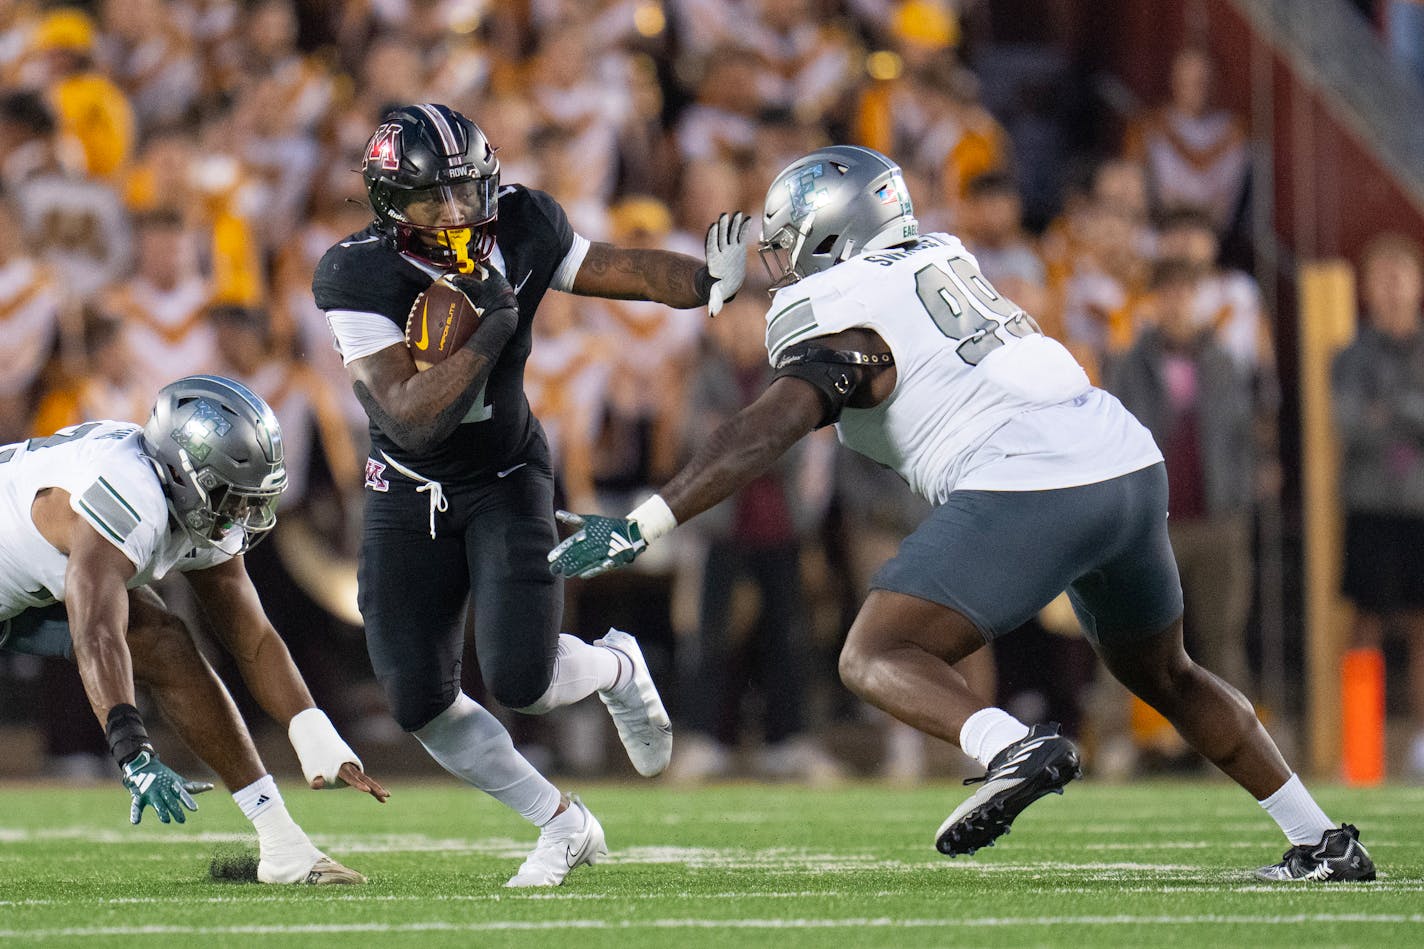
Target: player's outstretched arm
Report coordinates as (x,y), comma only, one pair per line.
(235,611)
(744,447)
(419,410)
(96,600)
(676,280)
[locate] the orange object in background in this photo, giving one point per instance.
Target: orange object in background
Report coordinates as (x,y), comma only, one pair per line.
(1362,714)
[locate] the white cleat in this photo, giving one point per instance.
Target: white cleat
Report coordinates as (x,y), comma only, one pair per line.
(557,853)
(637,710)
(318,871)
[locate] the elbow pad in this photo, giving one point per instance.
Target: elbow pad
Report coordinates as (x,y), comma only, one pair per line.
(834,373)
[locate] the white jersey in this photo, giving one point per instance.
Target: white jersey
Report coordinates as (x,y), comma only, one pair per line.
(112,485)
(968,362)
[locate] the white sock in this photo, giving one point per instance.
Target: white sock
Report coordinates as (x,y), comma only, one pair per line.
(1299,817)
(988,732)
(580,669)
(472,745)
(568,821)
(261,803)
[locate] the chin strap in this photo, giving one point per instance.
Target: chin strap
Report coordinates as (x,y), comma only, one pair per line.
(843,357)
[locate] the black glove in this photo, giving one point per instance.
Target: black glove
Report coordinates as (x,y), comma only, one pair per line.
(488,293)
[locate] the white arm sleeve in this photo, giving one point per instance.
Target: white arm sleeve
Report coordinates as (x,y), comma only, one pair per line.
(359,334)
(569,266)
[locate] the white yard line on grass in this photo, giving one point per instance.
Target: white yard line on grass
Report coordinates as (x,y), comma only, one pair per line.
(1413,919)
(1209,845)
(771,858)
(278,895)
(787,861)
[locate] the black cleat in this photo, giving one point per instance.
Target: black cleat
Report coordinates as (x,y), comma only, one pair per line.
(1040,763)
(1338,858)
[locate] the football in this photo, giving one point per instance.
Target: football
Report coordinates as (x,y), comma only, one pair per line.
(441,320)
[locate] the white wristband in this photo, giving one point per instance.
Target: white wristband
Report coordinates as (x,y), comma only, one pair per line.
(654,518)
(320,749)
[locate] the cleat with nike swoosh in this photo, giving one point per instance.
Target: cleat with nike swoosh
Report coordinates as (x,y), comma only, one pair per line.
(637,709)
(1040,763)
(556,854)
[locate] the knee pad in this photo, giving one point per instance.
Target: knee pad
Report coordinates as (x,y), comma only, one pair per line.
(413,709)
(520,685)
(543,705)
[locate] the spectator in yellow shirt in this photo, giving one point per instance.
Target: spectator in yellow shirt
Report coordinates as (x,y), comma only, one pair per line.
(91,108)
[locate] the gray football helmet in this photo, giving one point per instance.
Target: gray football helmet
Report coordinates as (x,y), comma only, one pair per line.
(218,449)
(833,204)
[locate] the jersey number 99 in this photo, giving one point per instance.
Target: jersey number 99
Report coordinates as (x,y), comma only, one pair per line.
(965,307)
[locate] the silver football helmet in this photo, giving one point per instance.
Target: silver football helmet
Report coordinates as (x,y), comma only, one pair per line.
(833,204)
(218,448)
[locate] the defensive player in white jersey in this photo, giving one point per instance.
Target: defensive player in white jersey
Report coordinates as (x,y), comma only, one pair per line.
(89,517)
(1041,483)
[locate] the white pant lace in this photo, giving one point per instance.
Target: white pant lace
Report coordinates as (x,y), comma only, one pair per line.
(435,488)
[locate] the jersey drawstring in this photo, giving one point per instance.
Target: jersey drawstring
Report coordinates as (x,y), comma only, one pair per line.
(438,501)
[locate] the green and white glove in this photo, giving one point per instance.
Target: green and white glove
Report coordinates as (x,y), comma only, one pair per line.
(600,544)
(726,259)
(153,784)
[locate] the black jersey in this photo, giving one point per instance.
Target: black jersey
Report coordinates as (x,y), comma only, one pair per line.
(365,273)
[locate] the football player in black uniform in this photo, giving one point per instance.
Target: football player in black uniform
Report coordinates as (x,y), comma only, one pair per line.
(459,482)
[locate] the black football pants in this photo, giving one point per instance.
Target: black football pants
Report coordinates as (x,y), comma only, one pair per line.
(491,543)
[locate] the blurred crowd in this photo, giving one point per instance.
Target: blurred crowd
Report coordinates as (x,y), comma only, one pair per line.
(1401,26)
(175,168)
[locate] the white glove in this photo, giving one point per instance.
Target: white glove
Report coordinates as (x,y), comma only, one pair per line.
(320,749)
(726,258)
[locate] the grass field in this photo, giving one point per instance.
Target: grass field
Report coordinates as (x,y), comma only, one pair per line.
(741,865)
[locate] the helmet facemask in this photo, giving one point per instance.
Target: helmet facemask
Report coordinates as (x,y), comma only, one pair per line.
(230,518)
(451,226)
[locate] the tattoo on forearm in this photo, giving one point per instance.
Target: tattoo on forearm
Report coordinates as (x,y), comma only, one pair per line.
(421,437)
(635,274)
(432,404)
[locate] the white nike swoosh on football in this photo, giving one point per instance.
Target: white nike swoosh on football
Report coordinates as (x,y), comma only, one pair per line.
(520,285)
(509,471)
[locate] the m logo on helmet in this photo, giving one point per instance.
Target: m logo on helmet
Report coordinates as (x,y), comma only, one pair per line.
(385,147)
(195,435)
(806,197)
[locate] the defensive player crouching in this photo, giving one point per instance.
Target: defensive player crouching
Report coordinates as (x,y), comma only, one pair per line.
(1042,483)
(93,514)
